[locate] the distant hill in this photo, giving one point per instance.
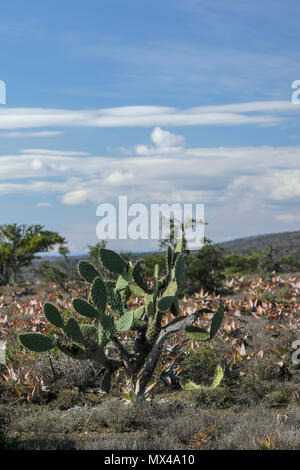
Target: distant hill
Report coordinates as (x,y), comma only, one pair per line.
(282,243)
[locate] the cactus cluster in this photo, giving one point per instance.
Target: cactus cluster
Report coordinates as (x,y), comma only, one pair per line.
(111,318)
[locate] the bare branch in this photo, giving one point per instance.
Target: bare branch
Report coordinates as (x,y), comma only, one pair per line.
(121,350)
(148,369)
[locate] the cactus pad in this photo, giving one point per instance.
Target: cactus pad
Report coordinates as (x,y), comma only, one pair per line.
(112,261)
(197,334)
(217,320)
(37,342)
(98,294)
(53,316)
(178,270)
(73,331)
(84,308)
(124,278)
(125,322)
(87,271)
(165,303)
(88,331)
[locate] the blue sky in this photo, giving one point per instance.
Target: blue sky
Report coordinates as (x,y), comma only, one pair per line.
(165,101)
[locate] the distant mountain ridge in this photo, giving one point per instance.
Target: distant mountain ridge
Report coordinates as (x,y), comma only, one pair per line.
(285,243)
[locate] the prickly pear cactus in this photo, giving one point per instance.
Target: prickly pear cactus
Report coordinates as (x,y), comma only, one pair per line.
(111,318)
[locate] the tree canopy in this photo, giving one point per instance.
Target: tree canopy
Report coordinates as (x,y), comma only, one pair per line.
(19,245)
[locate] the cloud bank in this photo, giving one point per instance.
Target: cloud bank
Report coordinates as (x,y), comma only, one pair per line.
(253,113)
(166,171)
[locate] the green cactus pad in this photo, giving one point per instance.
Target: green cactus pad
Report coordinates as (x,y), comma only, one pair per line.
(149,306)
(218,377)
(174,309)
(112,261)
(155,285)
(217,320)
(197,334)
(73,331)
(105,330)
(124,278)
(171,289)
(125,295)
(165,303)
(110,284)
(137,291)
(125,322)
(179,247)
(188,384)
(88,331)
(110,294)
(84,308)
(138,313)
(169,258)
(118,304)
(139,276)
(53,316)
(87,271)
(156,271)
(152,330)
(98,294)
(36,342)
(178,270)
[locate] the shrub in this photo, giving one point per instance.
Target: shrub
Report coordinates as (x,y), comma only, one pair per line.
(204,269)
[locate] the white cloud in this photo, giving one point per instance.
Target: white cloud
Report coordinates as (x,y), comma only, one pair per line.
(162,138)
(243,176)
(54,152)
(75,197)
(164,141)
(43,204)
(118,178)
(287,218)
(24,135)
(148,116)
(37,164)
(273,185)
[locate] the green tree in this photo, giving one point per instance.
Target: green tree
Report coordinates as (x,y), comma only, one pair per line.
(150,260)
(58,272)
(204,269)
(236,264)
(268,262)
(19,245)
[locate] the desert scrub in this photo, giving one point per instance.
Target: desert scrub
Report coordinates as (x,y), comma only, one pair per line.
(200,364)
(7,443)
(218,398)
